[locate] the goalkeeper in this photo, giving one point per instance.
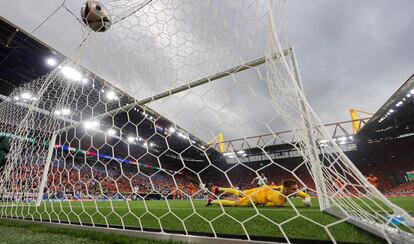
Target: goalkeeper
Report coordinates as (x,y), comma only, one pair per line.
(268,196)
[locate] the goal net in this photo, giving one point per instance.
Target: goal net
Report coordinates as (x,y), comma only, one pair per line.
(136,126)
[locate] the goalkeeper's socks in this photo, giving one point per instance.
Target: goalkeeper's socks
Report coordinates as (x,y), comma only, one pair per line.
(230,191)
(224,202)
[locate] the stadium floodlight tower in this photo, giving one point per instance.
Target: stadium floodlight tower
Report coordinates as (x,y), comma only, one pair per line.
(201,68)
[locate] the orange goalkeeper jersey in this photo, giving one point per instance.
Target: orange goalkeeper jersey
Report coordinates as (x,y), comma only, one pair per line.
(269,196)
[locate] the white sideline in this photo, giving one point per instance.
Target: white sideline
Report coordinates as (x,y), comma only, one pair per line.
(197,208)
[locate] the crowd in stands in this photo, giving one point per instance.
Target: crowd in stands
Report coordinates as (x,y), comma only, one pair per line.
(77,182)
(405,188)
(102,183)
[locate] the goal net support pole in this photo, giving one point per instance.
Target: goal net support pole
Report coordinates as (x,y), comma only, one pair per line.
(313,152)
(49,157)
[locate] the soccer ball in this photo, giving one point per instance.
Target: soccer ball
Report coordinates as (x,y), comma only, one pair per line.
(95,16)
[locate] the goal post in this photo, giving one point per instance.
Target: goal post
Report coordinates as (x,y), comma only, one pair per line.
(46,168)
(311,140)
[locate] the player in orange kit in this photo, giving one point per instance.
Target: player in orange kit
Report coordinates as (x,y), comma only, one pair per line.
(373,180)
(191,189)
(269,196)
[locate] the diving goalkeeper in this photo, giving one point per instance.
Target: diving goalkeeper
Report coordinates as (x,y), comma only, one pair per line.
(268,196)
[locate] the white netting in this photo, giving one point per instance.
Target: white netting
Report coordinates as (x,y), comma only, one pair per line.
(103,135)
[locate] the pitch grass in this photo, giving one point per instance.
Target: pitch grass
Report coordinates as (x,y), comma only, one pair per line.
(198,219)
(17,232)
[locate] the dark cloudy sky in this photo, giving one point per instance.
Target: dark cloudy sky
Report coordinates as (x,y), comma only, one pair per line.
(352,54)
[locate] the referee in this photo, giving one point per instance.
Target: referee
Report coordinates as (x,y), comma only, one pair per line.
(261,180)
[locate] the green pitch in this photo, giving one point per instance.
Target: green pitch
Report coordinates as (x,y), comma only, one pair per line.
(195,218)
(15,232)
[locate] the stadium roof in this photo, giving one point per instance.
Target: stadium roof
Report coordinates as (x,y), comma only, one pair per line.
(19,57)
(395,119)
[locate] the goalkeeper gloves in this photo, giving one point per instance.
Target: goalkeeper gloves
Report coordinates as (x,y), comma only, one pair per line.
(307,202)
